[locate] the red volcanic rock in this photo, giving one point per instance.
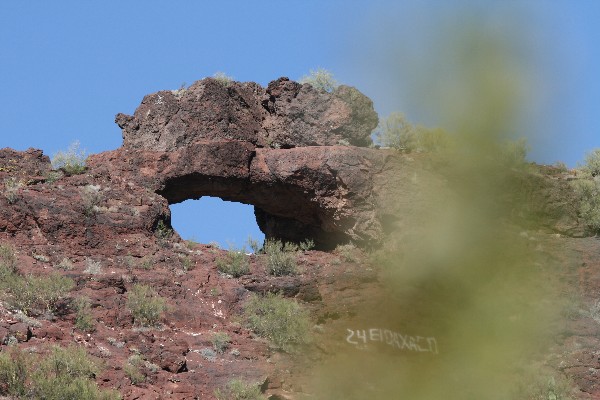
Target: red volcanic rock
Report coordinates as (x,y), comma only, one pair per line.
(285,114)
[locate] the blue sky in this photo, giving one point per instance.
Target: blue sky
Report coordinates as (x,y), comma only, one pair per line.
(68,67)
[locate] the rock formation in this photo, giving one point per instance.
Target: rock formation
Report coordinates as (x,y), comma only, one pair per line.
(297,154)
(284,149)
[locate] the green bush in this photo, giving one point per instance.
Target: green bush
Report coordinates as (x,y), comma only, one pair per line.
(223,78)
(72,161)
(284,322)
(64,374)
(535,386)
(281,257)
(235,263)
(237,389)
(220,341)
(91,197)
(515,151)
(8,260)
(320,79)
(396,132)
(587,189)
(13,373)
(162,231)
(307,245)
(84,320)
(11,189)
(146,305)
(133,369)
(34,293)
(348,252)
(592,164)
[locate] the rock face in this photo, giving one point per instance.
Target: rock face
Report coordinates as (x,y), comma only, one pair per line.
(276,148)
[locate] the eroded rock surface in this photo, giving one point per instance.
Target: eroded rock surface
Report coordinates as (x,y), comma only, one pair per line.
(277,148)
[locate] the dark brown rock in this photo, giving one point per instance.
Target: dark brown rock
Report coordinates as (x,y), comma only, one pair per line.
(285,114)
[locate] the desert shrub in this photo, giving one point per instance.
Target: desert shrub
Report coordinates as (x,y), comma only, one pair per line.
(187,264)
(13,372)
(65,265)
(281,257)
(320,79)
(11,189)
(145,304)
(162,231)
(90,199)
(513,152)
(220,342)
(535,386)
(431,140)
(223,78)
(253,244)
(235,263)
(8,261)
(587,189)
(307,244)
(284,322)
(92,267)
(84,320)
(592,163)
(28,293)
(396,132)
(237,389)
(133,369)
(348,252)
(72,161)
(65,373)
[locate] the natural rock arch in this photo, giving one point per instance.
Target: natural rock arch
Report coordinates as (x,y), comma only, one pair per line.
(276,148)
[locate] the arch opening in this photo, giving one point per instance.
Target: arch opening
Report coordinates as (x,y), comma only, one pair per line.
(211,219)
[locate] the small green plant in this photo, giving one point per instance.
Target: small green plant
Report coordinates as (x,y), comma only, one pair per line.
(8,261)
(133,369)
(543,387)
(35,293)
(65,265)
(281,257)
(220,342)
(92,267)
(587,188)
(84,320)
(53,176)
(515,151)
(13,373)
(146,305)
(284,322)
(348,252)
(396,132)
(65,373)
(307,245)
(91,197)
(11,189)
(162,231)
(320,79)
(235,263)
(223,78)
(72,161)
(187,264)
(253,244)
(237,389)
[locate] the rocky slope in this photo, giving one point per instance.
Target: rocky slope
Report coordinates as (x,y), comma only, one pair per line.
(297,154)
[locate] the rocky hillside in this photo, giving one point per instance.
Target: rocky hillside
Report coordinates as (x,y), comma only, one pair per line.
(80,247)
